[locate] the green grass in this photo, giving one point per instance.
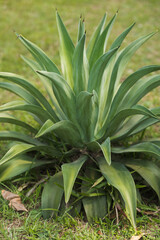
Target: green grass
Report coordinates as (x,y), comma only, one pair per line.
(35,19)
(15,225)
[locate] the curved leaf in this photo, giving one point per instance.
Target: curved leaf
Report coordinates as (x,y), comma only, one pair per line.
(87,113)
(65,130)
(108,73)
(141,88)
(136,124)
(119,177)
(39,55)
(16,150)
(79,77)
(19,92)
(22,148)
(64,94)
(23,106)
(16,136)
(66,50)
(132,126)
(100,44)
(121,37)
(93,146)
(70,172)
(95,36)
(18,165)
(46,128)
(110,128)
(72,208)
(119,67)
(52,196)
(81,29)
(94,200)
(7,118)
(148,170)
(95,77)
(146,147)
(95,207)
(106,149)
(48,86)
(126,86)
(31,89)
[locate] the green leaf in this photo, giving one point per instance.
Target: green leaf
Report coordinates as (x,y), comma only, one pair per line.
(22,148)
(7,118)
(18,165)
(148,170)
(95,77)
(119,67)
(52,196)
(121,37)
(65,130)
(87,113)
(72,208)
(30,108)
(106,149)
(79,77)
(46,128)
(31,89)
(107,75)
(132,126)
(19,92)
(47,84)
(95,207)
(99,180)
(81,29)
(93,146)
(100,45)
(64,94)
(16,150)
(142,87)
(94,200)
(136,124)
(70,172)
(66,51)
(146,147)
(156,141)
(41,58)
(32,64)
(142,125)
(119,177)
(110,127)
(95,36)
(126,86)
(17,136)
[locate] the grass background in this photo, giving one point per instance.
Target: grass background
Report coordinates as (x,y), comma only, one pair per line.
(35,19)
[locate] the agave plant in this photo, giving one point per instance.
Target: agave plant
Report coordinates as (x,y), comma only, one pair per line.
(83,125)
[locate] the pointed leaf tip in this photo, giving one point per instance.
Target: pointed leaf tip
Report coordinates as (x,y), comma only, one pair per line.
(106,149)
(70,172)
(17,34)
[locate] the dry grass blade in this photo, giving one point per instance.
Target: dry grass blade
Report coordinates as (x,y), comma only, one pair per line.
(138,237)
(35,186)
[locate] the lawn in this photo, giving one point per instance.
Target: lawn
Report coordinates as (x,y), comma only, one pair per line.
(35,19)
